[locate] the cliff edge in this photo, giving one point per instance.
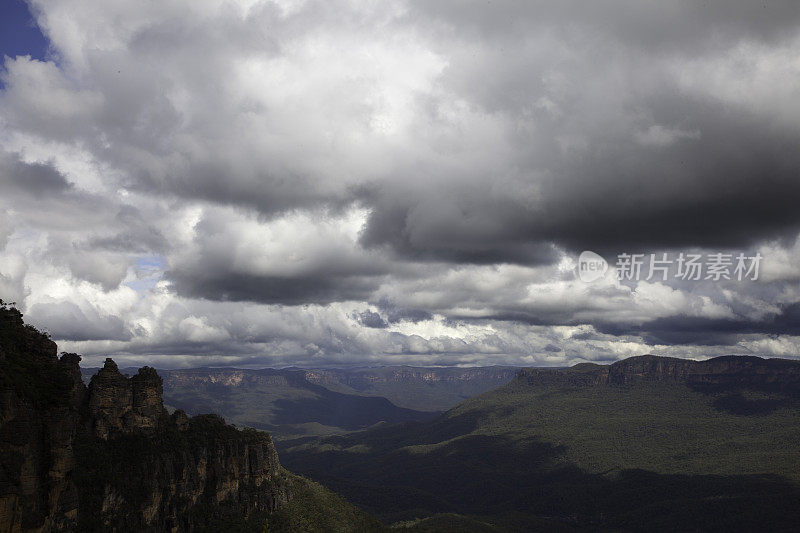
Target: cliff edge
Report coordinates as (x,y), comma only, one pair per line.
(110,457)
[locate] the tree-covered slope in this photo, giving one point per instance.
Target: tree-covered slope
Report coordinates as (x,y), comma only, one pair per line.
(647,443)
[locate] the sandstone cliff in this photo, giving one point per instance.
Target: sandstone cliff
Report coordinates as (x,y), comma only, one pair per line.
(109,457)
(720,372)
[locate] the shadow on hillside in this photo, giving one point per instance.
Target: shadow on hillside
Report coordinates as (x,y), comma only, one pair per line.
(753,399)
(496,475)
(736,404)
(409,433)
(342,410)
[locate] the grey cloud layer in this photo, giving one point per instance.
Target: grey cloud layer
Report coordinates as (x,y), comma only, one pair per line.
(409,178)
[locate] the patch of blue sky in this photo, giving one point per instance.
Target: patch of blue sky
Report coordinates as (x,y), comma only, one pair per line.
(19,33)
(149,270)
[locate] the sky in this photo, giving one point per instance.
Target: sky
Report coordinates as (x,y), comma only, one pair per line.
(319,183)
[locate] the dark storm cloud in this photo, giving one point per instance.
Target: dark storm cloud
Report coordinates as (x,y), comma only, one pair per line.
(242,287)
(732,187)
(542,318)
(658,166)
(411,315)
(36,179)
(677,330)
(147,241)
(396,314)
(268,193)
(135,234)
(236,257)
(371,319)
(455,226)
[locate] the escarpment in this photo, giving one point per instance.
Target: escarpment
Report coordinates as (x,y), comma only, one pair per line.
(718,372)
(109,456)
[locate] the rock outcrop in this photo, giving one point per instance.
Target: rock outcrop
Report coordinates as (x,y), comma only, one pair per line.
(110,457)
(121,405)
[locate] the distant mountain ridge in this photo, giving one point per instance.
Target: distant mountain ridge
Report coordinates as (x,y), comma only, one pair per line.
(421,388)
(644,444)
(724,370)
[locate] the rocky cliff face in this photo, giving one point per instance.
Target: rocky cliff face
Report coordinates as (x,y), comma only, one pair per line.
(110,457)
(38,422)
(726,371)
(120,405)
